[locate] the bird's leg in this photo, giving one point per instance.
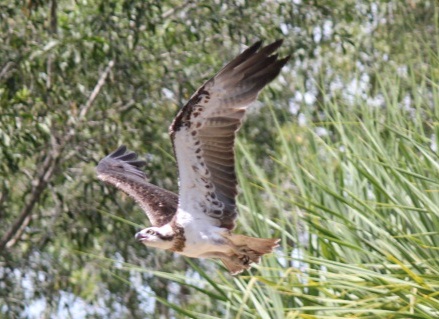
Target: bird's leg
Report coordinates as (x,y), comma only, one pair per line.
(238,247)
(235,257)
(242,248)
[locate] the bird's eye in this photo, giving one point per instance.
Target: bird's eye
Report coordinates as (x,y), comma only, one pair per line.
(150,232)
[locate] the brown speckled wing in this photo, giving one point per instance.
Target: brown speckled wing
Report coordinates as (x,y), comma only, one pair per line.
(122,170)
(203,132)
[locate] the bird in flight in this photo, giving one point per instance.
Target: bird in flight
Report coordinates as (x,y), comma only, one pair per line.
(198,222)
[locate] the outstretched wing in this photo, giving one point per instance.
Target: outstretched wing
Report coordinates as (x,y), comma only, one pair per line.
(203,133)
(122,170)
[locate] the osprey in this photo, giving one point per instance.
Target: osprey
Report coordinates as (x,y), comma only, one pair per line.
(198,222)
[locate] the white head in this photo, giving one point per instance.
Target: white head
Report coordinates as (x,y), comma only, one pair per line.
(158,237)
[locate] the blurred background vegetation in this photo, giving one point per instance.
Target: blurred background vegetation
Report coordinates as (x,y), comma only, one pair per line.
(339,158)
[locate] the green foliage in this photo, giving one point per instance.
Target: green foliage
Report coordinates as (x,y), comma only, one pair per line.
(344,170)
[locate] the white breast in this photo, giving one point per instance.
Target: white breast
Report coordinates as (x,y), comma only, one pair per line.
(202,237)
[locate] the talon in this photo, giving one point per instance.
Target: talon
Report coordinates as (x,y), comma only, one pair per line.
(244,259)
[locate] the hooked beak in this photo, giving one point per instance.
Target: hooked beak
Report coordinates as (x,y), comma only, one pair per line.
(139,236)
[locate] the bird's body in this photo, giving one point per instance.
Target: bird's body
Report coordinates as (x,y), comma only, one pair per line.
(199,221)
(202,241)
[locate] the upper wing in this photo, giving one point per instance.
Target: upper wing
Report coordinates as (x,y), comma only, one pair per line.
(122,170)
(203,133)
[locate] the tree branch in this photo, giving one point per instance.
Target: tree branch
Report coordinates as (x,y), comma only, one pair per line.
(174,10)
(38,186)
(96,90)
(4,73)
(47,169)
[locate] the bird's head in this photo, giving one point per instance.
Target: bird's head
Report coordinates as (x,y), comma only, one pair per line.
(158,237)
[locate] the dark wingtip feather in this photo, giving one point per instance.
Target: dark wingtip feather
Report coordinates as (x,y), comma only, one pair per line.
(271,47)
(120,151)
(138,163)
(284,60)
(130,156)
(246,54)
(254,47)
(266,68)
(121,161)
(121,154)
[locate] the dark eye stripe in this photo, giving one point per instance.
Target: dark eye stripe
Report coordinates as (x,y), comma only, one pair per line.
(163,237)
